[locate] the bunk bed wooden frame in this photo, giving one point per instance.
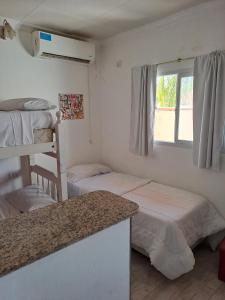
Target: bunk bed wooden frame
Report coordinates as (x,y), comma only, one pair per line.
(54,185)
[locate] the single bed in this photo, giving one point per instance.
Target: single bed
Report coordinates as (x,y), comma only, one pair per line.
(25,127)
(169,223)
(117,183)
(170,220)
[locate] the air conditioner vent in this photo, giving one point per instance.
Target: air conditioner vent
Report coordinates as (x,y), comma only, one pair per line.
(50,55)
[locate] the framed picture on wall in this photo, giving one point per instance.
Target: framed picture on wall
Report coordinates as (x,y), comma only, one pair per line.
(71,106)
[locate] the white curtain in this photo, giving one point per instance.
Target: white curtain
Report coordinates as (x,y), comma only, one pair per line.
(143,93)
(208,109)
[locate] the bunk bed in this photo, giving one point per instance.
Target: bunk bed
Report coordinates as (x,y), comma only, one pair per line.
(36,179)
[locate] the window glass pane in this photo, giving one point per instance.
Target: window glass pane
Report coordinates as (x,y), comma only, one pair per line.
(185,130)
(165,108)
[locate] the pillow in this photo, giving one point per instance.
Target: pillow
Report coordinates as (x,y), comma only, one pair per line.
(29,198)
(79,172)
(7,210)
(26,104)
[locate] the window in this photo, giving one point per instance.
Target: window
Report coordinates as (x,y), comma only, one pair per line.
(174,107)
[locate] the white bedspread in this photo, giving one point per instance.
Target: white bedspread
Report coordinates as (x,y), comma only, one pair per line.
(169,222)
(116,183)
(16,127)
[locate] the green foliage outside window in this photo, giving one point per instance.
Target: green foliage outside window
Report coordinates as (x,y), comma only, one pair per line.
(166,91)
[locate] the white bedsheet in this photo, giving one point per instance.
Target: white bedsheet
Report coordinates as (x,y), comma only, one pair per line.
(16,127)
(29,198)
(6,209)
(116,183)
(169,222)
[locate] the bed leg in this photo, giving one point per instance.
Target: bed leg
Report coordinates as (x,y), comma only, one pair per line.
(61,170)
(25,170)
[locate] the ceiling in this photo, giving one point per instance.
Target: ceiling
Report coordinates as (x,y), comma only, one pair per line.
(91,18)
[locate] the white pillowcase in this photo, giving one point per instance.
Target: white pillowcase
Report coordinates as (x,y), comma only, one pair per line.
(7,210)
(26,104)
(29,198)
(79,172)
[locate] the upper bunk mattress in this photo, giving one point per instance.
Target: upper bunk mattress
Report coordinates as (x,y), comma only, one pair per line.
(169,222)
(17,127)
(116,183)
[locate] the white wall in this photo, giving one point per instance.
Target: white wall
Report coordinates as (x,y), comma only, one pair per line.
(193,32)
(22,75)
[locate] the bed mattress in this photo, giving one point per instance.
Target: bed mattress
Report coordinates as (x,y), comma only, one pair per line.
(116,183)
(18,127)
(168,223)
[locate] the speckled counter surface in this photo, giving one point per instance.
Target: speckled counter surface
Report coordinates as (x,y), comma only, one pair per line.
(31,236)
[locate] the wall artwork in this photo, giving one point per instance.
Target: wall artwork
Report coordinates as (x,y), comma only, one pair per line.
(71,106)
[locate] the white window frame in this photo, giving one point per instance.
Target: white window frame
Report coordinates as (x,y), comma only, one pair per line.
(180,74)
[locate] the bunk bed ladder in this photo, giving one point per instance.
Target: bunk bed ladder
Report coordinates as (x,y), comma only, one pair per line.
(56,185)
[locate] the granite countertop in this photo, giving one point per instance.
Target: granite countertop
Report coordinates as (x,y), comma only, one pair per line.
(31,236)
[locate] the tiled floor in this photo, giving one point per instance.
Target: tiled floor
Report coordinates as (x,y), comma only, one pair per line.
(200,284)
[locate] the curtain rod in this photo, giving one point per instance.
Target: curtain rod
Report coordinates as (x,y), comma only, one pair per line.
(176,60)
(182,59)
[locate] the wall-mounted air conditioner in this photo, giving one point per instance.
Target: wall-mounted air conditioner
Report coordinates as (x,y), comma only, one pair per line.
(51,45)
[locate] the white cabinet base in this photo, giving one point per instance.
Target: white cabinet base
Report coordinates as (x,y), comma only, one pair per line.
(95,268)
